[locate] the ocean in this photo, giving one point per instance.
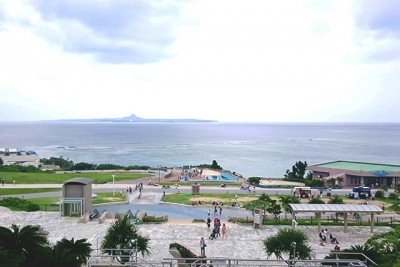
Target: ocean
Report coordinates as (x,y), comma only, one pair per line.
(250,149)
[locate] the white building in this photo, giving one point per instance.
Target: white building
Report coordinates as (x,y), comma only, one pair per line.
(11,156)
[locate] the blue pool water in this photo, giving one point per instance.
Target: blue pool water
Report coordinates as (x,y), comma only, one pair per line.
(226,177)
(175,211)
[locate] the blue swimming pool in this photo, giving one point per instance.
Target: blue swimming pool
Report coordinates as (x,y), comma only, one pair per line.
(175,211)
(226,177)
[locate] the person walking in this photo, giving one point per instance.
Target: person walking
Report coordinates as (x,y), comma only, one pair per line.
(208,222)
(202,247)
(224,231)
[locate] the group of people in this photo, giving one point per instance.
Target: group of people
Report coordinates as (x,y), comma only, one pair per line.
(216,232)
(323,235)
(217,229)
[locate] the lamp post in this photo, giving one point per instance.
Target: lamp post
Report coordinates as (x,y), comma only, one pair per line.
(113,176)
(159,174)
(293,244)
(134,241)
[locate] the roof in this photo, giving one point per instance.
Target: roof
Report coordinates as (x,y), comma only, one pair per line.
(78,180)
(360,166)
(335,208)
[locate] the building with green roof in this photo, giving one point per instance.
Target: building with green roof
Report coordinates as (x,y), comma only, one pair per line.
(357,173)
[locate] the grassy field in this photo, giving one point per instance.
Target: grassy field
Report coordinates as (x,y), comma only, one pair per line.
(23,191)
(55,178)
(47,204)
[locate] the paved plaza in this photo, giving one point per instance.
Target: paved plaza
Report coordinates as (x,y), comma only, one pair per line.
(243,242)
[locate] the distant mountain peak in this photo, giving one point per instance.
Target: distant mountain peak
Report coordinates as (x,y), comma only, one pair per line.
(132,117)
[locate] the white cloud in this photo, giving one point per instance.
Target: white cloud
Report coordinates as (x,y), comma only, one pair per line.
(224,60)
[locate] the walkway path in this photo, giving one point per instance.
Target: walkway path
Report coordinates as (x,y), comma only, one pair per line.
(243,241)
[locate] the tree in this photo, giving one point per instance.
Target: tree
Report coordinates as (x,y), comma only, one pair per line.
(288,244)
(254,180)
(274,208)
(79,249)
(81,166)
(298,171)
(22,244)
(387,245)
(215,166)
(64,164)
(286,200)
(1,162)
(121,236)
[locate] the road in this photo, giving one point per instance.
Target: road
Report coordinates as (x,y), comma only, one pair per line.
(117,187)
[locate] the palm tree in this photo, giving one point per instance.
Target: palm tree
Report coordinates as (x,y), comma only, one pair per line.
(80,249)
(288,244)
(56,256)
(286,200)
(22,244)
(121,237)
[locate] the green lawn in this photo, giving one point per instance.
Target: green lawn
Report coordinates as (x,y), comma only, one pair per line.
(54,178)
(100,199)
(24,191)
(109,198)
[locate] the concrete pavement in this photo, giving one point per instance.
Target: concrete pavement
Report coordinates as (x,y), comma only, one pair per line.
(243,241)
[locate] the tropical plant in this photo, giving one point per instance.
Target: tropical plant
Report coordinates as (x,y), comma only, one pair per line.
(331,182)
(336,200)
(286,200)
(288,244)
(79,249)
(55,256)
(122,237)
(379,194)
(387,245)
(274,208)
(22,244)
(316,200)
(257,204)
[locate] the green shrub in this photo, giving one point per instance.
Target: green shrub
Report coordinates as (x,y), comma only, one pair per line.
(316,201)
(393,196)
(254,180)
(199,221)
(314,183)
(153,219)
(379,194)
(240,220)
(19,203)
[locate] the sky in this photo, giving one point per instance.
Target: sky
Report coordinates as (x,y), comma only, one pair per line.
(225,60)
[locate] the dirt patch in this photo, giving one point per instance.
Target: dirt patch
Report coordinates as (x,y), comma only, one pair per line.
(211,199)
(112,199)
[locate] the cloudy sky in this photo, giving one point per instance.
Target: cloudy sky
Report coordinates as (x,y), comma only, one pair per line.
(228,60)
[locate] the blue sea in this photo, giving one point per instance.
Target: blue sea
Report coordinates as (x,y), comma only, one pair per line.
(250,149)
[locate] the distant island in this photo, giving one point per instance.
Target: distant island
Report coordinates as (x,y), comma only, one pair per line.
(131,118)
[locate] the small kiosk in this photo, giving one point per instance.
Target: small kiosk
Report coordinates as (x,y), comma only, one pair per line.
(76,197)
